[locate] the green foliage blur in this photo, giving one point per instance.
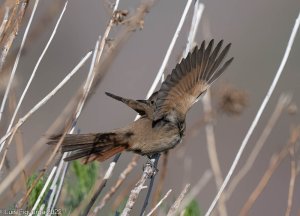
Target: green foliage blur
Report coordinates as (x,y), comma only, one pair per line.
(79,183)
(192,209)
(36,190)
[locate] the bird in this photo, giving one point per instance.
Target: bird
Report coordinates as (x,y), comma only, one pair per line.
(161,125)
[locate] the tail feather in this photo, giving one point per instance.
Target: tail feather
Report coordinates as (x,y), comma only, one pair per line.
(90,147)
(87,156)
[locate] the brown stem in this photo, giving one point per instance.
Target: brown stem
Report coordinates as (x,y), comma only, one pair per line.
(274,163)
(292,181)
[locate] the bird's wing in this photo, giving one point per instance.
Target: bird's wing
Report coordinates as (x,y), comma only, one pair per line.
(190,78)
(140,106)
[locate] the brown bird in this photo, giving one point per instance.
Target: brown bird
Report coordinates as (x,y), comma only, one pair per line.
(162,123)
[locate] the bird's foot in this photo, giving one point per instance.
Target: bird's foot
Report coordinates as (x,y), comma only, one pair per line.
(151,166)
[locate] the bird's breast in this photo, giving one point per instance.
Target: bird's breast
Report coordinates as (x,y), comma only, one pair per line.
(157,139)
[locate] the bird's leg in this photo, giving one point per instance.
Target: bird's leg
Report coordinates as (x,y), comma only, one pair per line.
(152,163)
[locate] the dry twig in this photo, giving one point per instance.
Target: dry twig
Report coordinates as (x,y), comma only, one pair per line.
(12,28)
(123,194)
(176,204)
(257,117)
(86,89)
(154,160)
(159,203)
(274,163)
(13,174)
(148,173)
(212,151)
(292,181)
(282,103)
(21,182)
(119,182)
(98,55)
(31,77)
(206,177)
(4,22)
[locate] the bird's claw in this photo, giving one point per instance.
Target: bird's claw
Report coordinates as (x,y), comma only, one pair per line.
(150,168)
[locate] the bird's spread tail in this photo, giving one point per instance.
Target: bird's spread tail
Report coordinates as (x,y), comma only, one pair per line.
(90,147)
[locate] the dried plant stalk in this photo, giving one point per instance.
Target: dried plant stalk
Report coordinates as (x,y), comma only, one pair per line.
(14,173)
(148,173)
(159,203)
(282,103)
(292,181)
(176,204)
(212,151)
(274,163)
(12,28)
(205,178)
(119,182)
(257,117)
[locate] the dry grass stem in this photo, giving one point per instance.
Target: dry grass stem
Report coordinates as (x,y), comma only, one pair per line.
(4,22)
(6,48)
(170,48)
(45,20)
(119,182)
(281,105)
(258,115)
(80,105)
(274,164)
(43,191)
(36,31)
(154,161)
(123,194)
(14,173)
(203,181)
(212,151)
(19,142)
(36,67)
(198,10)
(159,203)
(45,168)
(32,75)
(70,124)
(292,181)
(86,88)
(148,173)
(22,120)
(56,189)
(176,204)
(106,33)
(11,30)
